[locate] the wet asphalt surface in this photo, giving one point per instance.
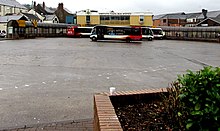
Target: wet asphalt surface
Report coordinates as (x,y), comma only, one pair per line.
(54,79)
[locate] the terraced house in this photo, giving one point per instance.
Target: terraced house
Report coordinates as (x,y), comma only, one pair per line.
(11,7)
(210,18)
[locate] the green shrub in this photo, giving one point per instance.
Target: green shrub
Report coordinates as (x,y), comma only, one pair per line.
(200,99)
(192,102)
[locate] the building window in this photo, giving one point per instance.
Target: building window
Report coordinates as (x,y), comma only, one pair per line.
(11,10)
(194,20)
(141,18)
(104,17)
(56,20)
(125,18)
(114,17)
(87,19)
(164,21)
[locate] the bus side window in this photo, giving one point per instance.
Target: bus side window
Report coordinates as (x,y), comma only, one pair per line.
(112,33)
(127,31)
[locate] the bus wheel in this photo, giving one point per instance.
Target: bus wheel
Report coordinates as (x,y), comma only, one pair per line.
(149,39)
(94,39)
(128,40)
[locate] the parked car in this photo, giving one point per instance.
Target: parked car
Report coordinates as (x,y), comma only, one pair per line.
(2,34)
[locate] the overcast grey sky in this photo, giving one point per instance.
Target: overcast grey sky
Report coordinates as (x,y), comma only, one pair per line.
(155,6)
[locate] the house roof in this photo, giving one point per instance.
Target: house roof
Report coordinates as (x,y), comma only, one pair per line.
(217,20)
(193,15)
(32,11)
(5,19)
(156,17)
(211,14)
(175,16)
(31,16)
(181,15)
(67,10)
(49,17)
(48,9)
(12,3)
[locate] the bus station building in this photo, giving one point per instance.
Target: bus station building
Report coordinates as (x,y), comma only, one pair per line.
(93,17)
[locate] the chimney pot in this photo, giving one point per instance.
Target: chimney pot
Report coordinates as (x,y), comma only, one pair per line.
(60,6)
(34,4)
(204,12)
(44,5)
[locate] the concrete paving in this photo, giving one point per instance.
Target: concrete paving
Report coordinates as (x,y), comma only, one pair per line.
(48,80)
(79,125)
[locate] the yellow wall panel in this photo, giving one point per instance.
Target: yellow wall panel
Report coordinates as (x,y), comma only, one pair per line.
(148,21)
(94,20)
(81,20)
(135,21)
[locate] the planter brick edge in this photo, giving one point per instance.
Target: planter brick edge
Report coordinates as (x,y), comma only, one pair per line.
(105,118)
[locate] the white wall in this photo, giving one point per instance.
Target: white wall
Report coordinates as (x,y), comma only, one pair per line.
(47,21)
(191,20)
(8,9)
(35,13)
(52,21)
(3,26)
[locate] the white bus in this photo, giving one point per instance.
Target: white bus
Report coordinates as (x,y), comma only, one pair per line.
(147,33)
(158,33)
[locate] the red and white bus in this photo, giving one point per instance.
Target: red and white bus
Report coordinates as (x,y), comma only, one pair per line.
(127,33)
(75,31)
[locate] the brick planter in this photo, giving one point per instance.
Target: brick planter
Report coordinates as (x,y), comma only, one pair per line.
(105,118)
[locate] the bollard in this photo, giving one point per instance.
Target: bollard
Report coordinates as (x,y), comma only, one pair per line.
(112,90)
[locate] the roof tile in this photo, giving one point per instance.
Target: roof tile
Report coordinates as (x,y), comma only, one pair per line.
(13,3)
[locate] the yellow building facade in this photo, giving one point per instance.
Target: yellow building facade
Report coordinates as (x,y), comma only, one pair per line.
(92,18)
(141,20)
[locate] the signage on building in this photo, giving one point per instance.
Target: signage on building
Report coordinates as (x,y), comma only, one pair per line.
(35,23)
(21,23)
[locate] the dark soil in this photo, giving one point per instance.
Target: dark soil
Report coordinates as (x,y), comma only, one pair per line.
(141,117)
